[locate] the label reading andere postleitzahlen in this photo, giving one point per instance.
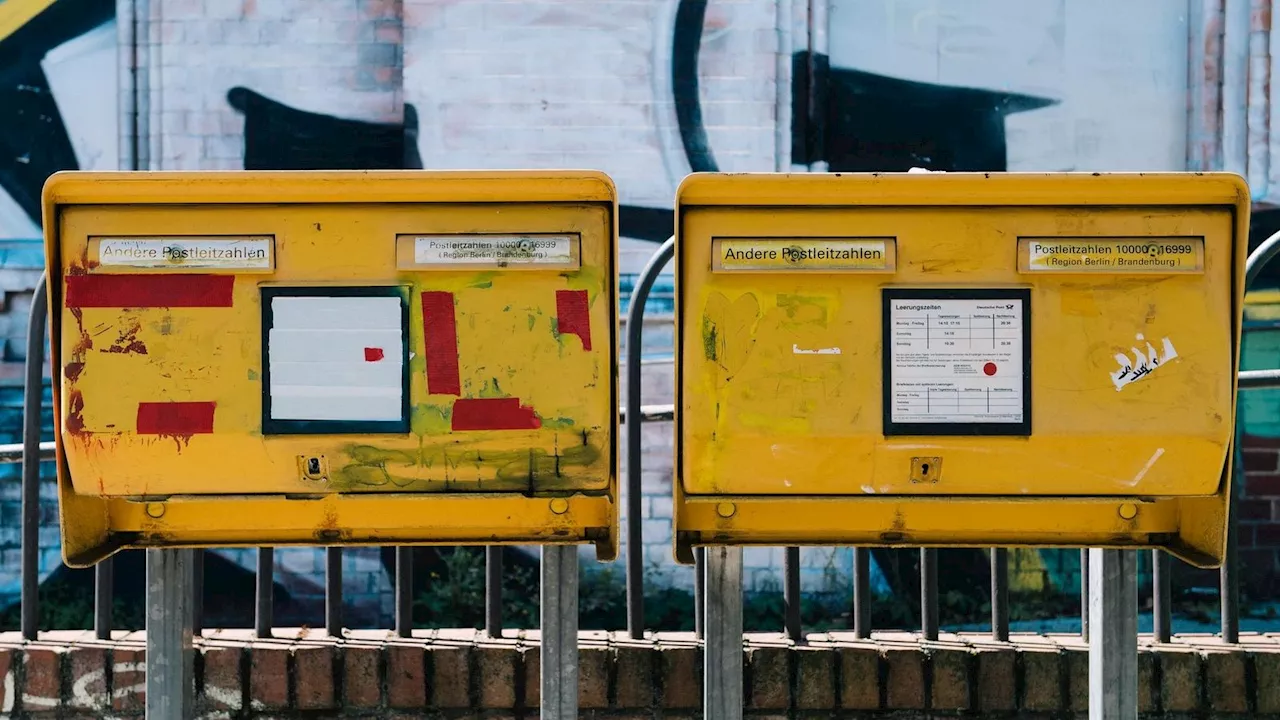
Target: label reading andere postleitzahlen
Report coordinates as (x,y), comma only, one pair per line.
(240,253)
(803,254)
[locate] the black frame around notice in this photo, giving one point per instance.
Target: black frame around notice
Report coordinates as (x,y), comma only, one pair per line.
(333,427)
(890,428)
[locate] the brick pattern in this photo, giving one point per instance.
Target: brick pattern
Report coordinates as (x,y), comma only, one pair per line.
(1258,513)
(452,672)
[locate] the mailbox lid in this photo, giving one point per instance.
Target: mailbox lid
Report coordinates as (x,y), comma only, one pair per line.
(786,388)
(389,374)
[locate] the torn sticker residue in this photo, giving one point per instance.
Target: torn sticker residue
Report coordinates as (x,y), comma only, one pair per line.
(493,414)
(572,315)
(796,349)
(1141,364)
(440,334)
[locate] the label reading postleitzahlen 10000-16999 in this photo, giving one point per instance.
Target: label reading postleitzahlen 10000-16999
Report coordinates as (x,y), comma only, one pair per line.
(542,250)
(1158,255)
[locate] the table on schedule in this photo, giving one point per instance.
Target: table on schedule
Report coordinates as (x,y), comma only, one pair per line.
(956,361)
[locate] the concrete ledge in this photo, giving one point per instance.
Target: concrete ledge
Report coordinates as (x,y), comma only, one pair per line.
(455,673)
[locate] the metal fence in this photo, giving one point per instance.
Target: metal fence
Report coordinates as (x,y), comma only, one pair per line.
(31,452)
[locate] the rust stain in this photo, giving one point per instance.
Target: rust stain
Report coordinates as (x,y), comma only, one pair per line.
(128,342)
(75,418)
(72,371)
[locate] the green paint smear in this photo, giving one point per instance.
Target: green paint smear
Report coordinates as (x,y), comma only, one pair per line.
(709,338)
(491,389)
(430,420)
(587,278)
(253,375)
(532,320)
(560,423)
(483,280)
(801,309)
(418,364)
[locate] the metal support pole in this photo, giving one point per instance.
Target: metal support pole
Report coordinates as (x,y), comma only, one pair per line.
(1000,594)
(929,593)
(1229,574)
(404,591)
(264,592)
(699,592)
(32,393)
(1084,595)
(791,594)
(197,592)
(103,598)
(861,592)
(170,653)
(634,495)
(493,591)
(1113,639)
(722,658)
(333,591)
(559,652)
(1161,596)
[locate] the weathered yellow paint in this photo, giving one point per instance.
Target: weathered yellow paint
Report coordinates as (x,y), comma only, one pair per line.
(431,484)
(779,392)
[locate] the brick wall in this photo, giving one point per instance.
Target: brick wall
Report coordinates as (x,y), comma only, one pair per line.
(1259,514)
(454,673)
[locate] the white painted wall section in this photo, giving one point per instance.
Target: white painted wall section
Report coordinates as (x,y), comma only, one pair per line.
(336,358)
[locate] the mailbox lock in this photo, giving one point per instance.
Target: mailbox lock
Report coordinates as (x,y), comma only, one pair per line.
(314,467)
(559,506)
(726,510)
(155,510)
(1128,511)
(926,469)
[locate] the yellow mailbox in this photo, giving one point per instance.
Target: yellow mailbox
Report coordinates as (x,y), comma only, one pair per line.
(273,358)
(958,359)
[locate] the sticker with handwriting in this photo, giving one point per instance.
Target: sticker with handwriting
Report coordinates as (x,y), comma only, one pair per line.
(1142,364)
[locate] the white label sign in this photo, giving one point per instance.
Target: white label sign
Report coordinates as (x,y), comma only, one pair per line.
(250,253)
(956,360)
(494,250)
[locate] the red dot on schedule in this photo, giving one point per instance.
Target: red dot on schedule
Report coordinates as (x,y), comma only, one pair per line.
(989,368)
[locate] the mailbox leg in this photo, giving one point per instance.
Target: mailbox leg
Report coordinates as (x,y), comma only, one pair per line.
(722,658)
(1113,635)
(559,651)
(170,654)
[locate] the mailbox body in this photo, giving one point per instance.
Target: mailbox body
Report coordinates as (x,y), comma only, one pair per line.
(958,359)
(333,358)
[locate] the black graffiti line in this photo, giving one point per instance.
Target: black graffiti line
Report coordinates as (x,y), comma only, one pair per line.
(685,44)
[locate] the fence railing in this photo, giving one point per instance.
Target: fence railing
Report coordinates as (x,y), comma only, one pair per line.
(31,452)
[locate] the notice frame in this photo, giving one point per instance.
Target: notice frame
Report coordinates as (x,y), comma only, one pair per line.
(893,428)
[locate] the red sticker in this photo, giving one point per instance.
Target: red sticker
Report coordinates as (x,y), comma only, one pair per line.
(573,315)
(175,418)
(136,291)
(493,414)
(989,368)
(373,354)
(440,333)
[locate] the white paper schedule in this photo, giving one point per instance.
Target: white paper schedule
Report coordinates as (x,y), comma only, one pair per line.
(955,361)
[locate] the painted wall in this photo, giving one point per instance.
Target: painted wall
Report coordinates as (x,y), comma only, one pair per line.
(647,90)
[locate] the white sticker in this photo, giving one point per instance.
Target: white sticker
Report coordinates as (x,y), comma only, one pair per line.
(1142,363)
(248,253)
(493,250)
(956,360)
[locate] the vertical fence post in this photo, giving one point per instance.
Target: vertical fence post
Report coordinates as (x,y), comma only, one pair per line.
(264,592)
(1084,594)
(1161,596)
(699,592)
(559,651)
(861,592)
(929,593)
(103,598)
(32,394)
(1000,594)
(404,591)
(634,350)
(333,591)
(1113,639)
(493,591)
(197,592)
(791,594)
(170,655)
(1229,575)
(722,656)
